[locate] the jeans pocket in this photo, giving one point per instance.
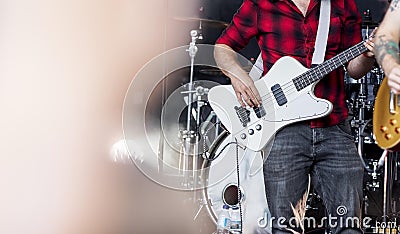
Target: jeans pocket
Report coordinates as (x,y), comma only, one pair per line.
(268,148)
(344,127)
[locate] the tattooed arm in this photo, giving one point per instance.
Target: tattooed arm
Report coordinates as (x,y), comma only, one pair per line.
(387,46)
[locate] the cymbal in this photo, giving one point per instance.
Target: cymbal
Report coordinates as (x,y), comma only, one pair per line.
(213,71)
(208,22)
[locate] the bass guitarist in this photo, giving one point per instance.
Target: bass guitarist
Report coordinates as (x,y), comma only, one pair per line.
(321,149)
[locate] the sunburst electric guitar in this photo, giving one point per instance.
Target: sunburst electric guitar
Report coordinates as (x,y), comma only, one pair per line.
(287,92)
(386,118)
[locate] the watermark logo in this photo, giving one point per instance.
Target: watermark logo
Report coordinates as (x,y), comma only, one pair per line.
(341,210)
(387,225)
(339,220)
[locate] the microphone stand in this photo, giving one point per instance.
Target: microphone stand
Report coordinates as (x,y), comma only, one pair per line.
(189,134)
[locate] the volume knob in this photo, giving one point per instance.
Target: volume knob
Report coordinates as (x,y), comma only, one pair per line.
(384,128)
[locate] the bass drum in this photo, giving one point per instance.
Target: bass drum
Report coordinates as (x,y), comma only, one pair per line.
(221,184)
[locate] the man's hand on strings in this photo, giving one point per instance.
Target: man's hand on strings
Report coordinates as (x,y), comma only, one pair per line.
(246,92)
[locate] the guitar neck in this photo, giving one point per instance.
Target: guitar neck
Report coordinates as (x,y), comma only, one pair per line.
(315,74)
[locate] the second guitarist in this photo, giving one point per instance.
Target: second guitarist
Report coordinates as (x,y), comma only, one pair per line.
(387,46)
(387,106)
(322,149)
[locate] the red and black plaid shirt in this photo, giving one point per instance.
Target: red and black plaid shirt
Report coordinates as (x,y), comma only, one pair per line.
(282,30)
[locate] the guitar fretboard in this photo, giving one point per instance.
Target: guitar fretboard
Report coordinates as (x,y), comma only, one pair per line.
(314,74)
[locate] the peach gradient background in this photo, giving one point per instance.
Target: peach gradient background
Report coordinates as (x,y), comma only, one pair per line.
(65,66)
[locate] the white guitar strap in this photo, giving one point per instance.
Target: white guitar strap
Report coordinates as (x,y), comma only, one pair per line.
(320,41)
(322,33)
(257,69)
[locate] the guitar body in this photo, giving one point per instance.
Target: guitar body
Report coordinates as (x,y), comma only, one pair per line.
(386,123)
(221,173)
(257,132)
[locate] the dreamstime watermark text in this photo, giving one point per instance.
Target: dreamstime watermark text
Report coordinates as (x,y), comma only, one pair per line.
(339,220)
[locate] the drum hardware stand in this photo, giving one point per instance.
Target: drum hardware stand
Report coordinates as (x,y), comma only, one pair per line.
(389,161)
(202,204)
(204,132)
(390,171)
(385,192)
(360,122)
(200,91)
(374,185)
(191,137)
(188,135)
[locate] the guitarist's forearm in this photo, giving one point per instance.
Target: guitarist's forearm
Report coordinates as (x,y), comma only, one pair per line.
(387,48)
(387,42)
(245,90)
(388,63)
(227,61)
(387,51)
(360,66)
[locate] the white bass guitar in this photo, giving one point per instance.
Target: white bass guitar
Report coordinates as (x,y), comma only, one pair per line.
(287,92)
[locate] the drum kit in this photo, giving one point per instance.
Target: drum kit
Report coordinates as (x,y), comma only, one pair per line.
(207,156)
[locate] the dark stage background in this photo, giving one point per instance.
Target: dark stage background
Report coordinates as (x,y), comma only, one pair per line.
(223,10)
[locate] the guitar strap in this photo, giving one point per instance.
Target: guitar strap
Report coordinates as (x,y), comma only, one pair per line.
(322,33)
(257,69)
(320,41)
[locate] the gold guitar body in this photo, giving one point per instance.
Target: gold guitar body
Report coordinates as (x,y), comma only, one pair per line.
(386,118)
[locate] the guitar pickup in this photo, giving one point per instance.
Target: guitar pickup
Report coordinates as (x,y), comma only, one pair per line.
(243,114)
(279,95)
(260,111)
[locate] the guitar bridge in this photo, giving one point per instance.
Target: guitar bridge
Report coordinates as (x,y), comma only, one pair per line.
(243,114)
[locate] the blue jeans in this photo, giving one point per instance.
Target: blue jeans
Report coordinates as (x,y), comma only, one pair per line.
(329,157)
